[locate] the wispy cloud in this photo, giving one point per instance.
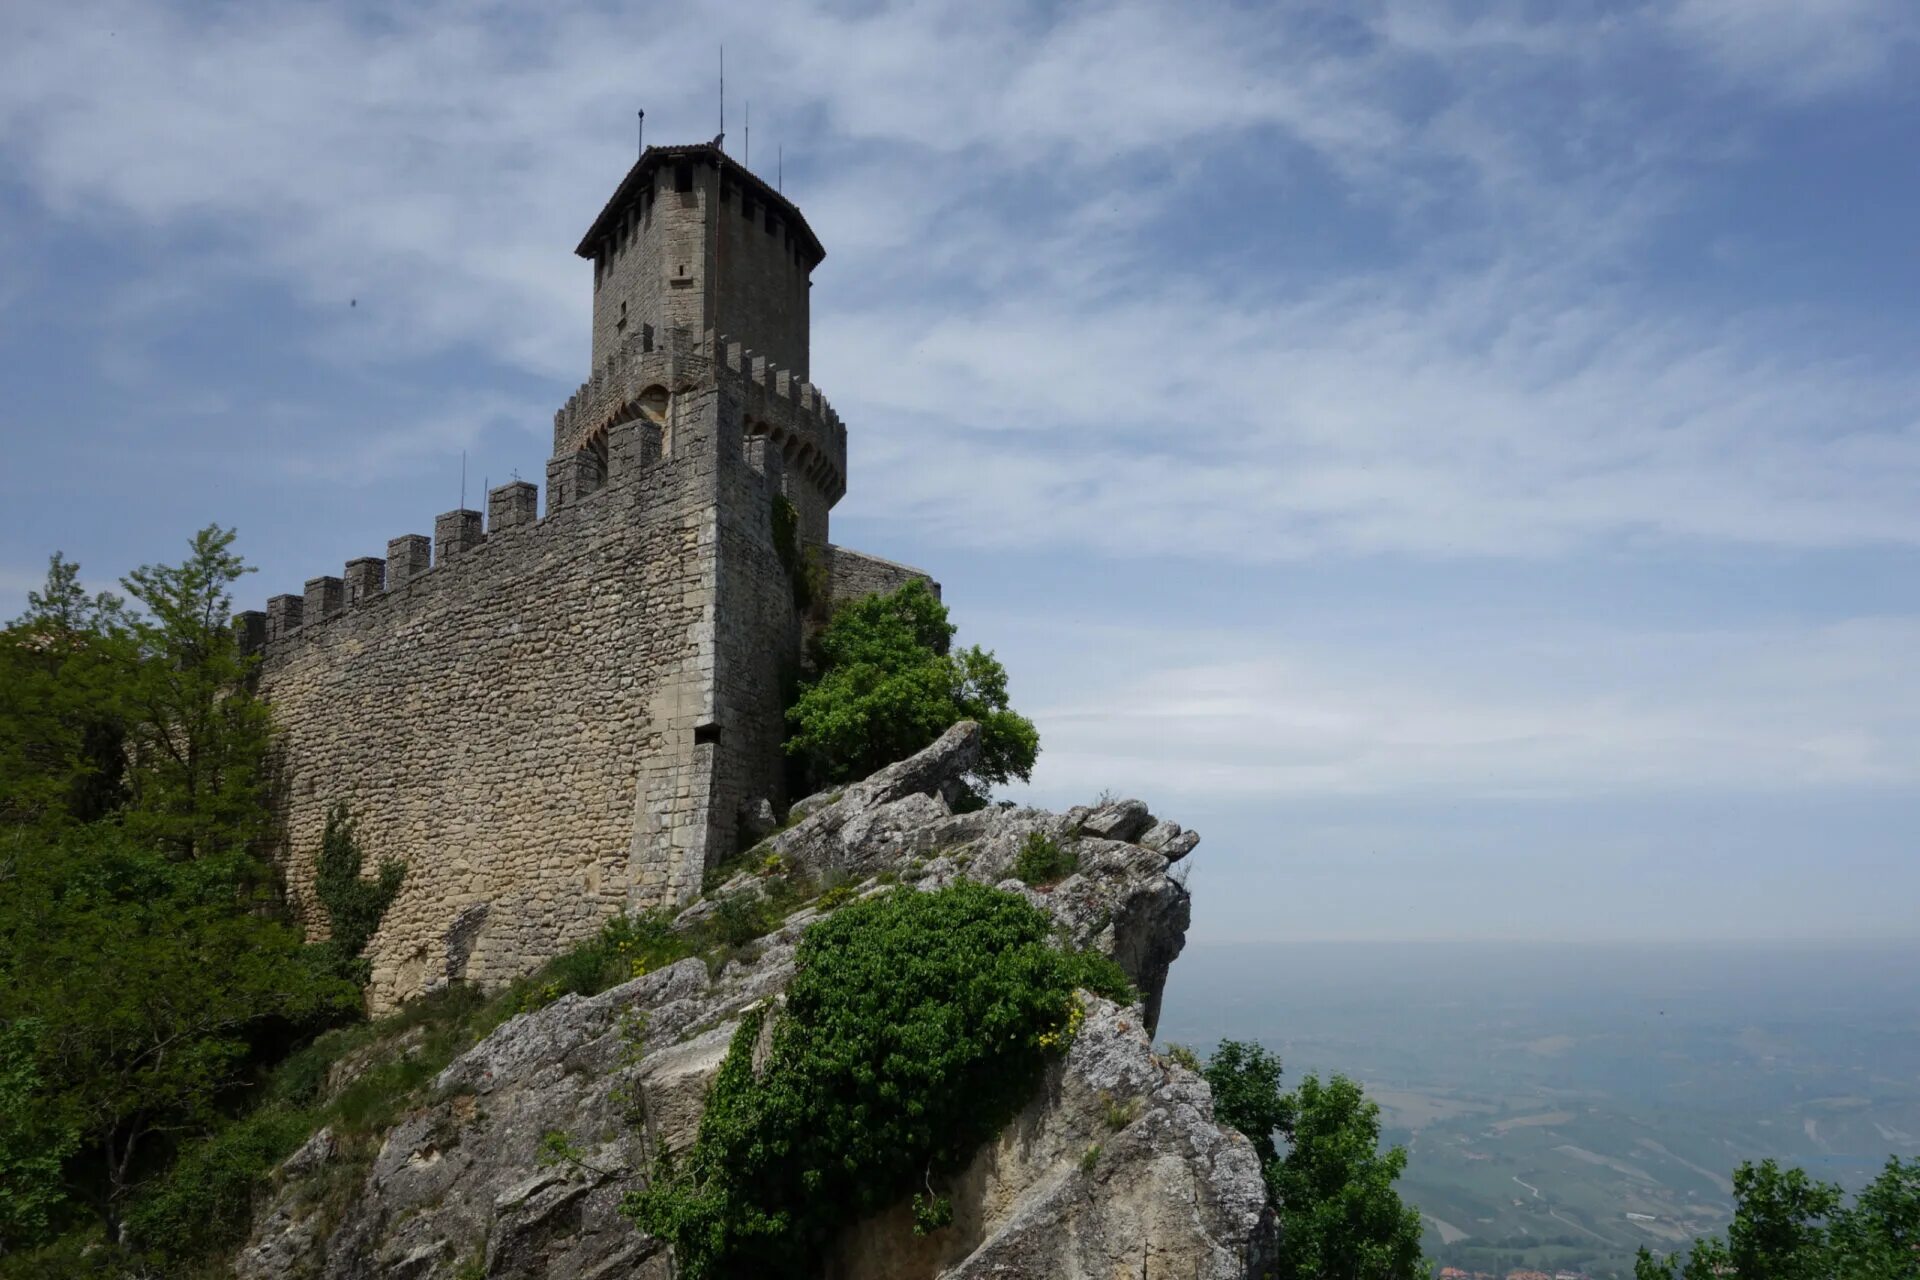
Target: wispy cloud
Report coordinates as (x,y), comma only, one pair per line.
(1486,395)
(1564,713)
(1796,50)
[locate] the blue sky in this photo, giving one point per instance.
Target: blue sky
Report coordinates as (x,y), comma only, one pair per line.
(1464,460)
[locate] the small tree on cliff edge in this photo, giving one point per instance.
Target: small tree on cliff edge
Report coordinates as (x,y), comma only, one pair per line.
(1340,1218)
(889,684)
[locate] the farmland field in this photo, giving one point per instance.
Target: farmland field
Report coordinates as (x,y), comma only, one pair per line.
(1565,1106)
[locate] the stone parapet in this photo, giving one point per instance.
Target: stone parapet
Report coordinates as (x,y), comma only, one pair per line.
(642,377)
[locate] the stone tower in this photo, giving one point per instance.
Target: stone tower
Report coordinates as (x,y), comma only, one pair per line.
(691,240)
(553,717)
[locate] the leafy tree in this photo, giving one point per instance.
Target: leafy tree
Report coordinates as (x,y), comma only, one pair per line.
(140,984)
(888,685)
(1787,1226)
(142,968)
(197,735)
(1340,1217)
(34,1145)
(354,905)
(1245,1079)
(62,757)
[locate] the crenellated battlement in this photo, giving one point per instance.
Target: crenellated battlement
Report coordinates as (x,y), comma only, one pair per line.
(414,560)
(641,380)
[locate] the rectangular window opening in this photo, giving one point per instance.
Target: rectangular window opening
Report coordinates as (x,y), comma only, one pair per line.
(705,733)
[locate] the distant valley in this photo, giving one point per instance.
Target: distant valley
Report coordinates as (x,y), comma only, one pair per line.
(1565,1105)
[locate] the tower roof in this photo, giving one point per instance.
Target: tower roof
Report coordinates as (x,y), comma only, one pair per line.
(641,176)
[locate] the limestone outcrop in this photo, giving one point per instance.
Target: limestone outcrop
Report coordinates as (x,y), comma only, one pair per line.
(1115,1168)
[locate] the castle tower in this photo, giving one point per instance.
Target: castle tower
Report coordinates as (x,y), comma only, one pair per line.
(691,240)
(551,717)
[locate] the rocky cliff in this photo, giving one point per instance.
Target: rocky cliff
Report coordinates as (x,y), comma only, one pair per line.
(1115,1168)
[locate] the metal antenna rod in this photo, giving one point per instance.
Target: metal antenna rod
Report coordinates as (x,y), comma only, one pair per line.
(463,479)
(723,96)
(780,172)
(746,155)
(642,135)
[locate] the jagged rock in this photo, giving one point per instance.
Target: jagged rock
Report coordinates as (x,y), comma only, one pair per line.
(1118,820)
(460,1185)
(1169,840)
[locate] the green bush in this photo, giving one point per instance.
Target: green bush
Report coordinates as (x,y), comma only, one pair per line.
(1043,860)
(916,1024)
(888,686)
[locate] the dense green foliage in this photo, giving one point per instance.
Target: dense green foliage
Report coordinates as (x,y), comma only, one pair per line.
(62,752)
(354,904)
(1340,1217)
(145,972)
(1245,1079)
(146,993)
(1787,1226)
(888,684)
(915,1025)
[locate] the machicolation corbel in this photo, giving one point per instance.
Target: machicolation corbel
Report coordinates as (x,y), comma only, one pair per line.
(632,445)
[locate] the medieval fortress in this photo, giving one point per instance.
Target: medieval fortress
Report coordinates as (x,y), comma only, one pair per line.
(552,718)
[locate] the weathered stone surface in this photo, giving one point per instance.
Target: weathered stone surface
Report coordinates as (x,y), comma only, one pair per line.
(1119,820)
(1170,840)
(625,1074)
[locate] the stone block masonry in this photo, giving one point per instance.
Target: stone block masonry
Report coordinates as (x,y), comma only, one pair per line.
(551,719)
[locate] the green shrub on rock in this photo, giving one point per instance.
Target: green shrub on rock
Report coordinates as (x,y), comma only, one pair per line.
(888,685)
(916,1024)
(1043,860)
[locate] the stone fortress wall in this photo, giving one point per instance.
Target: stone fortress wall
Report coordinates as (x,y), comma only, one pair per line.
(554,718)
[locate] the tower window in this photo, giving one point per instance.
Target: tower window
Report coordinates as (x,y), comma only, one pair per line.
(683,177)
(621,323)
